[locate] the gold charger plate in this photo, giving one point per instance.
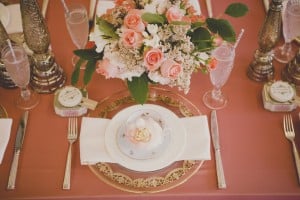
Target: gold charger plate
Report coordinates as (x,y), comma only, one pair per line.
(3,113)
(146,182)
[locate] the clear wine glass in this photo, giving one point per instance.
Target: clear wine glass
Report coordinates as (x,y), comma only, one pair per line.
(291,30)
(77,25)
(224,54)
(17,65)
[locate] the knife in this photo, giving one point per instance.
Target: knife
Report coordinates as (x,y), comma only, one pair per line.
(18,145)
(216,143)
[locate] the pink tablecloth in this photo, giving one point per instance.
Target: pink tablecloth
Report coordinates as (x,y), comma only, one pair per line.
(257,158)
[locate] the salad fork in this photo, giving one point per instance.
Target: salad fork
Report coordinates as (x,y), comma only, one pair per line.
(290,135)
(72,137)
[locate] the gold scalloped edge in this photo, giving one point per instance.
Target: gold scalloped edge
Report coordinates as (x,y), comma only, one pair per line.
(145,183)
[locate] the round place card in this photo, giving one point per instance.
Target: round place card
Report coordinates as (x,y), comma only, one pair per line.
(281,91)
(69,96)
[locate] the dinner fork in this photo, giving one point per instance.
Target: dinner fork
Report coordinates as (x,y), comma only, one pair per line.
(290,135)
(72,137)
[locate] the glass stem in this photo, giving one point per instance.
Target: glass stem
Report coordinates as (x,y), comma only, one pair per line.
(216,93)
(286,48)
(25,93)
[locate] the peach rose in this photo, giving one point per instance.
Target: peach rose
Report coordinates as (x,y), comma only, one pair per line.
(133,20)
(131,38)
(212,64)
(174,14)
(128,4)
(105,68)
(153,58)
(170,69)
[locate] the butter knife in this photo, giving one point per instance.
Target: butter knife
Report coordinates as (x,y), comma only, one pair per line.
(18,145)
(216,143)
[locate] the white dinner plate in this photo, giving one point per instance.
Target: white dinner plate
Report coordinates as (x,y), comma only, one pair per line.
(4,15)
(176,142)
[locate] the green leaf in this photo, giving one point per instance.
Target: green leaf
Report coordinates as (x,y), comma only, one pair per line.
(107,29)
(221,27)
(200,34)
(88,54)
(89,70)
(236,10)
(76,72)
(138,88)
(197,25)
(201,38)
(152,18)
(179,23)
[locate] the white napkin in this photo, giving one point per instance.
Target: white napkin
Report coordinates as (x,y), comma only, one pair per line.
(5,128)
(15,22)
(92,140)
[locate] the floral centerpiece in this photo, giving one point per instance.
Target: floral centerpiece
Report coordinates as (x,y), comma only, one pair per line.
(154,41)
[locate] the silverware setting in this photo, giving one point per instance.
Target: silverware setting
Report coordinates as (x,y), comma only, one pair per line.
(18,146)
(72,137)
(290,135)
(216,144)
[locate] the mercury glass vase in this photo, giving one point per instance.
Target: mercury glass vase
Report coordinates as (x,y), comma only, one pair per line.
(291,72)
(47,75)
(261,68)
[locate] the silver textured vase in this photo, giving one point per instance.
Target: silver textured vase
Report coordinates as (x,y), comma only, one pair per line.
(261,68)
(291,71)
(47,75)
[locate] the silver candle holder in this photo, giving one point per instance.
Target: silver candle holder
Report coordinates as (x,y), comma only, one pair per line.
(261,68)
(47,76)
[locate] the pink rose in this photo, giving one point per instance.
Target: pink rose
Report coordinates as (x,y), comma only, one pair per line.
(153,58)
(170,69)
(133,20)
(105,68)
(174,14)
(131,38)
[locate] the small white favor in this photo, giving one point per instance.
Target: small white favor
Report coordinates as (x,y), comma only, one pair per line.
(279,96)
(281,91)
(70,96)
(67,102)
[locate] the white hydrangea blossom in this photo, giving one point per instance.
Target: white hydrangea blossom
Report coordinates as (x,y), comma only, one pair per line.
(97,37)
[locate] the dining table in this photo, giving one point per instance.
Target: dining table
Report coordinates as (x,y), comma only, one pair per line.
(257,158)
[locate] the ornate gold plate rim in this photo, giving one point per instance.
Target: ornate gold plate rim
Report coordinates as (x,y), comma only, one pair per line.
(3,113)
(146,182)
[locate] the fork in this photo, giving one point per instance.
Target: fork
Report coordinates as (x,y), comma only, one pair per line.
(290,135)
(72,137)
